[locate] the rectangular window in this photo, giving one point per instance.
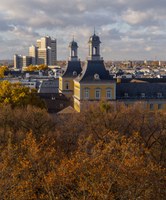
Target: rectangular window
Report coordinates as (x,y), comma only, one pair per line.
(97,94)
(151,106)
(108,94)
(160,106)
(86,93)
(66,85)
(159,95)
(143,95)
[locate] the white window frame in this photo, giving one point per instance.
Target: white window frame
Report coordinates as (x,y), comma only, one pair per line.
(159,95)
(108,93)
(86,93)
(151,106)
(97,93)
(143,95)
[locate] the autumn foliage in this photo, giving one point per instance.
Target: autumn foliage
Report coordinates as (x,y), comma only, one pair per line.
(18,95)
(101,154)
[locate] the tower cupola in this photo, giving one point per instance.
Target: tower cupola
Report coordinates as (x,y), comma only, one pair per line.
(73,46)
(94,47)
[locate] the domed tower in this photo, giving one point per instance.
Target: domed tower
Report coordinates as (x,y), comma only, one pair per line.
(73,51)
(71,71)
(94,83)
(94,47)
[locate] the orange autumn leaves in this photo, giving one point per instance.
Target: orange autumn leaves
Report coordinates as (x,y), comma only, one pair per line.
(62,157)
(119,168)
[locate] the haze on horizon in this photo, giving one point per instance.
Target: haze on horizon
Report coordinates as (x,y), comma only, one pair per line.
(128,29)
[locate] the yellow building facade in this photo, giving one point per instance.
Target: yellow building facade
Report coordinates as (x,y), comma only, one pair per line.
(85,94)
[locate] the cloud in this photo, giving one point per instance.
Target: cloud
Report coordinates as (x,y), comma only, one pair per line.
(128,29)
(136,17)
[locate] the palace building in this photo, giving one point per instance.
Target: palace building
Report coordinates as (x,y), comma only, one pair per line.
(93,83)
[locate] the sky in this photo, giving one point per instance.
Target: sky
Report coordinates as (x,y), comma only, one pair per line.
(128,29)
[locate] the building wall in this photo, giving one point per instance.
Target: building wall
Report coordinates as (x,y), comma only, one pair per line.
(53,52)
(80,100)
(26,61)
(42,56)
(33,54)
(45,51)
(66,86)
(147,104)
(18,61)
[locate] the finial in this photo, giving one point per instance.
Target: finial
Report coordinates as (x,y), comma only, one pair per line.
(94,30)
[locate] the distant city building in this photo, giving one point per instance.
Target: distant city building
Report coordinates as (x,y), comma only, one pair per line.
(21,61)
(18,61)
(45,52)
(33,54)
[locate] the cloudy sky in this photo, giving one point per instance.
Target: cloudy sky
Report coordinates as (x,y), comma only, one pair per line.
(128,29)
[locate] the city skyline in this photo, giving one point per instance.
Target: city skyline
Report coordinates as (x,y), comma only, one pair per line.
(128,30)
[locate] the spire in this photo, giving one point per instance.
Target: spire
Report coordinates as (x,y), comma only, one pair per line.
(94,31)
(94,47)
(73,50)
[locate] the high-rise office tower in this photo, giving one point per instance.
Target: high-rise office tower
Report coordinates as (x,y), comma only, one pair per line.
(33,54)
(22,61)
(47,51)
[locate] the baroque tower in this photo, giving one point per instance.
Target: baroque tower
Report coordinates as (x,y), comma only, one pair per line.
(73,47)
(94,47)
(72,70)
(94,83)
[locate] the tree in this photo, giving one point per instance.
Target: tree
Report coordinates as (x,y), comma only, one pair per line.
(19,96)
(36,67)
(2,70)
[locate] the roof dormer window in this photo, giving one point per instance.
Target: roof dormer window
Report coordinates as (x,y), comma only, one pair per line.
(74,73)
(159,95)
(96,77)
(142,95)
(126,95)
